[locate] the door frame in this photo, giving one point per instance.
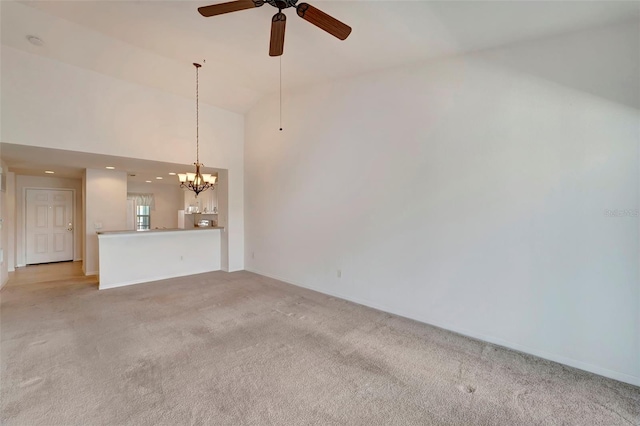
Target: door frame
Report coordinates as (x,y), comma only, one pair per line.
(24,219)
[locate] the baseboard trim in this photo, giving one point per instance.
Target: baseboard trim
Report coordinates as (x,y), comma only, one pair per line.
(616,375)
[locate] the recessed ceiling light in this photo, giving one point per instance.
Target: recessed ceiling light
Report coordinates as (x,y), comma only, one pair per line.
(36,41)
(49,172)
(148,181)
(110,167)
(159,177)
(172,174)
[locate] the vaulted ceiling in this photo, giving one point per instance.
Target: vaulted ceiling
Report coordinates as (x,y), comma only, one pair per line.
(154,42)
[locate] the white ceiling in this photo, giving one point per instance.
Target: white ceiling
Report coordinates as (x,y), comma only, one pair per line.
(33,161)
(154,42)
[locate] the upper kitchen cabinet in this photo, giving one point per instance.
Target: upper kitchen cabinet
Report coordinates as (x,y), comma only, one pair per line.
(207,201)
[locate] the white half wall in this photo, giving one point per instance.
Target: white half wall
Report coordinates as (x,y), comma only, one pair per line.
(80,110)
(22,183)
(106,210)
(463,193)
(140,257)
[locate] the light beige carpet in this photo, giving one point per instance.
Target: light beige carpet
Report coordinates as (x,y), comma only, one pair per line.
(236,349)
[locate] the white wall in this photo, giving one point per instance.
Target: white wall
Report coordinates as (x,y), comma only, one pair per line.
(84,221)
(462,193)
(4,234)
(106,210)
(168,199)
(22,183)
(50,104)
(10,223)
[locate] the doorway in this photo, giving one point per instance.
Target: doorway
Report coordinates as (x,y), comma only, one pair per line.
(48,225)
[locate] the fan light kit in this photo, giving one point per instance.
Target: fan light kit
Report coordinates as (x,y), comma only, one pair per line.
(279,20)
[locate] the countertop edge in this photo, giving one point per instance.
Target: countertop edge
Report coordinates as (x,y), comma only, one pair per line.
(155,231)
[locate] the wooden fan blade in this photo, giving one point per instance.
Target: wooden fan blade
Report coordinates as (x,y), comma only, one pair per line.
(323,21)
(278,24)
(232,6)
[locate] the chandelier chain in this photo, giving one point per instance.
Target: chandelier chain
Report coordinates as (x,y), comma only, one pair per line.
(197,119)
(197,182)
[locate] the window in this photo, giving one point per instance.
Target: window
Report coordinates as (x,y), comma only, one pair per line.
(143,217)
(140,208)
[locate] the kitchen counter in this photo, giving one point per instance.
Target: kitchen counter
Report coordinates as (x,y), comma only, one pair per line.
(148,231)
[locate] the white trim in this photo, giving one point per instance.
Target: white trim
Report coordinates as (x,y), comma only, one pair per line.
(623,377)
(24,219)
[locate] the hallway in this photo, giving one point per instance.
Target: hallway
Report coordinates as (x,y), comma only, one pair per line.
(50,275)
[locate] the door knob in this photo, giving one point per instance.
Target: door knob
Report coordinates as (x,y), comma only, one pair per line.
(70,227)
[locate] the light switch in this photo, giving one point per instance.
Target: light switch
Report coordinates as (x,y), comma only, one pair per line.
(97,225)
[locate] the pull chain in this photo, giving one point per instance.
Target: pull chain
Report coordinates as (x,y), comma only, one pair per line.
(280,92)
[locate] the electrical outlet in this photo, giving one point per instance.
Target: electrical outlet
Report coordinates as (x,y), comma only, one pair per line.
(339,273)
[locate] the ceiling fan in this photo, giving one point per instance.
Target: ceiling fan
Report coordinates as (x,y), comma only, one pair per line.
(279,20)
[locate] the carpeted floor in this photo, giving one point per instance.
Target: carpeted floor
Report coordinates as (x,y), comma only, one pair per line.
(235,349)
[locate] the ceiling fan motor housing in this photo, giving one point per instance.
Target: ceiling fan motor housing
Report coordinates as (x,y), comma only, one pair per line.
(281,4)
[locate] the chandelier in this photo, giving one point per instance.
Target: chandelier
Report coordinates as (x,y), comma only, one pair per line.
(197,182)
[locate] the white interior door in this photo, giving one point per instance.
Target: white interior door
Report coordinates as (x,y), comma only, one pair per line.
(49,225)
